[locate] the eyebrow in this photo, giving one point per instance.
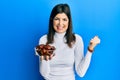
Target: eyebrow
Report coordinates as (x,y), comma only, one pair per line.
(62,18)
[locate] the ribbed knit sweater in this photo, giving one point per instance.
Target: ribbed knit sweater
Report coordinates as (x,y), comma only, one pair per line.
(66,60)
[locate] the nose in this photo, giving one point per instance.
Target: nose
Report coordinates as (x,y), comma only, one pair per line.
(60,22)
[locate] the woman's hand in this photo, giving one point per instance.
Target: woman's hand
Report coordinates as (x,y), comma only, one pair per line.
(45,51)
(93,42)
(43,57)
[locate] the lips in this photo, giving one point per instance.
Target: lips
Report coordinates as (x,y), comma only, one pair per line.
(59,27)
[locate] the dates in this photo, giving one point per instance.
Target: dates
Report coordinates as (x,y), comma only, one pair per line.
(45,50)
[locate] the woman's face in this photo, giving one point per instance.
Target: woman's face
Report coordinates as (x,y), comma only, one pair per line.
(60,22)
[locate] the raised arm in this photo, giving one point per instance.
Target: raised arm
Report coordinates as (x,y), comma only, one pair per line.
(82,62)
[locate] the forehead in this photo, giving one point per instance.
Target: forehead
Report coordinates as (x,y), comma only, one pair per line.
(61,15)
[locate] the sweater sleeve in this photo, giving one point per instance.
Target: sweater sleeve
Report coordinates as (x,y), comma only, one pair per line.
(44,66)
(81,62)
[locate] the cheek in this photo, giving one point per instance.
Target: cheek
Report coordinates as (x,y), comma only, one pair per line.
(66,25)
(66,28)
(55,23)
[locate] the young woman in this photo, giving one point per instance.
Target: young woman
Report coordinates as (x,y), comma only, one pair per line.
(69,56)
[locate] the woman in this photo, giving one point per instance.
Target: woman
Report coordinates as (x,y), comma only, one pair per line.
(69,54)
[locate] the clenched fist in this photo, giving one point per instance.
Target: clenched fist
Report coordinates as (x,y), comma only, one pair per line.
(93,42)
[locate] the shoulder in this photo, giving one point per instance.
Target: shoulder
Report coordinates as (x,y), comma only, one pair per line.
(78,40)
(78,37)
(43,39)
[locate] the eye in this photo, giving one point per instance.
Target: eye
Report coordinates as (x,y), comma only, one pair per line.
(64,19)
(56,18)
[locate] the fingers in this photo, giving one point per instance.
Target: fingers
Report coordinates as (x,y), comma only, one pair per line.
(95,40)
(41,58)
(44,58)
(47,57)
(52,55)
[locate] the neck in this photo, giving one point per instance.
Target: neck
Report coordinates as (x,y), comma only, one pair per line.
(60,35)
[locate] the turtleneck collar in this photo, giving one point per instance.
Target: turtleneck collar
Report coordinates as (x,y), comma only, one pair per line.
(60,35)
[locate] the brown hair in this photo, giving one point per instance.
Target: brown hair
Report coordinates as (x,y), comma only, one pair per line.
(70,37)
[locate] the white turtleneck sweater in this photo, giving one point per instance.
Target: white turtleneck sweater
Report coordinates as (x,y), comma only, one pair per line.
(66,60)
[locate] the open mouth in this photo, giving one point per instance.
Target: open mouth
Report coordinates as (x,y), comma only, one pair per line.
(60,27)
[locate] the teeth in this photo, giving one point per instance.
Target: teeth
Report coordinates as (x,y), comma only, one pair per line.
(59,27)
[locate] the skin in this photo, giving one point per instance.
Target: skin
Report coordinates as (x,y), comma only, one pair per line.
(60,25)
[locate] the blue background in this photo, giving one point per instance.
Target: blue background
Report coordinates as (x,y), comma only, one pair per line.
(23,22)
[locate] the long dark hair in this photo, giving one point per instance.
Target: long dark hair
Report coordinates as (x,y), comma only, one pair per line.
(70,37)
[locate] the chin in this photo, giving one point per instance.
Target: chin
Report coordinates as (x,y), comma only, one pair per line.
(60,31)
